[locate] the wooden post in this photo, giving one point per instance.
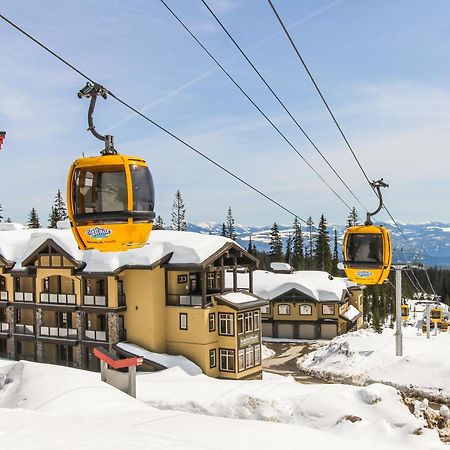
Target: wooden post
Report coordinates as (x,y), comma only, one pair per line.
(235,274)
(132,381)
(250,279)
(204,287)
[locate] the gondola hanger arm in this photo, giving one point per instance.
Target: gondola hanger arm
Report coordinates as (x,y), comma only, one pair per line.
(376,186)
(92,90)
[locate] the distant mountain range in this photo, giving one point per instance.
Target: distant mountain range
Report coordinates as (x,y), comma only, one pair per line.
(431,240)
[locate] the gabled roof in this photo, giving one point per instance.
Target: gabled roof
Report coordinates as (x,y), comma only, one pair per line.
(30,259)
(20,246)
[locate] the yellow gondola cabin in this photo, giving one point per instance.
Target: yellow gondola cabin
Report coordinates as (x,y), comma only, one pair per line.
(436,315)
(110,202)
(405,312)
(367,254)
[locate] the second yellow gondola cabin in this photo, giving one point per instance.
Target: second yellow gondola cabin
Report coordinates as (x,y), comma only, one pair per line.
(436,314)
(405,312)
(367,254)
(110,202)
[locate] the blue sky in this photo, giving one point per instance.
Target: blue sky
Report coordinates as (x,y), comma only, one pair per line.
(383,66)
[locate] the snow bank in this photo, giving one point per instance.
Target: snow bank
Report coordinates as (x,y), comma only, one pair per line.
(364,356)
(43,404)
(373,414)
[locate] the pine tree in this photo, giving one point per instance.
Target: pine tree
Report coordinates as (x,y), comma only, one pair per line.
(288,252)
(322,247)
(1,210)
(276,245)
(8,220)
(250,246)
(58,211)
(297,246)
(230,229)
(178,213)
(33,219)
(335,260)
(352,218)
(53,218)
(309,250)
(158,224)
(224,230)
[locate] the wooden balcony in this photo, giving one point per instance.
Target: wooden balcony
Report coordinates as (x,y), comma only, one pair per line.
(26,297)
(58,299)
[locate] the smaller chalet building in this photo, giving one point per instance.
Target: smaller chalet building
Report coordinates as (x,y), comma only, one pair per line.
(306,304)
(57,302)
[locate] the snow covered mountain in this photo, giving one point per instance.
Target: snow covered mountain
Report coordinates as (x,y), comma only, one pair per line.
(430,240)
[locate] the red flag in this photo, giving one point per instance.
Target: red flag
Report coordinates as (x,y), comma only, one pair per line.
(2,138)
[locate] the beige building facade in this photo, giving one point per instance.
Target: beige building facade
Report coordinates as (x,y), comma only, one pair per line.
(57,303)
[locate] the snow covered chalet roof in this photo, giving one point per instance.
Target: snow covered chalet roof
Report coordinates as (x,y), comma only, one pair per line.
(181,247)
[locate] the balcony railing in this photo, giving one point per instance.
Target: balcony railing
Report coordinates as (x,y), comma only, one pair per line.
(65,333)
(4,327)
(184,300)
(4,296)
(95,300)
(24,329)
(24,297)
(58,299)
(95,335)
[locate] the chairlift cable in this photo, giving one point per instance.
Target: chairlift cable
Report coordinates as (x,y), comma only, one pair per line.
(165,130)
(272,92)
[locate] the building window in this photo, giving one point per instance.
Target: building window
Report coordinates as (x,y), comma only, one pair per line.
(305,310)
(265,309)
(212,322)
(248,321)
(226,324)
(183,321)
(212,358)
(240,323)
(249,362)
(226,360)
(284,310)
(241,360)
(328,310)
(257,355)
(211,280)
(256,320)
(182,279)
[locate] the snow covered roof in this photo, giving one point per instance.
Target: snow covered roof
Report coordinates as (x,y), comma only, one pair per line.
(318,285)
(179,246)
(240,300)
(351,314)
(280,267)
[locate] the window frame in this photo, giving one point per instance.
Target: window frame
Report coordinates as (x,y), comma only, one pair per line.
(241,359)
(185,317)
(329,306)
(249,361)
(305,305)
(229,353)
(228,319)
(212,357)
(213,322)
(288,308)
(241,322)
(256,320)
(257,347)
(248,321)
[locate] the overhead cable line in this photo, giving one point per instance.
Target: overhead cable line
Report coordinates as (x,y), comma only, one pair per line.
(232,79)
(165,130)
(429,281)
(316,86)
(416,280)
(269,87)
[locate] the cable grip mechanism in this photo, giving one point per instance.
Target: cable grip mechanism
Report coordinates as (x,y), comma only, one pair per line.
(92,90)
(376,186)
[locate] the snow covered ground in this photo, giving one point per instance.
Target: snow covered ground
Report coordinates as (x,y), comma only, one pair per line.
(364,356)
(53,407)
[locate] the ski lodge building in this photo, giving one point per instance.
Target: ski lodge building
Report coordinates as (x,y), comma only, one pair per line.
(57,302)
(306,304)
(183,294)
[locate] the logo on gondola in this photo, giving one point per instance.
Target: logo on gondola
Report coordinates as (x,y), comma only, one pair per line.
(364,274)
(98,233)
